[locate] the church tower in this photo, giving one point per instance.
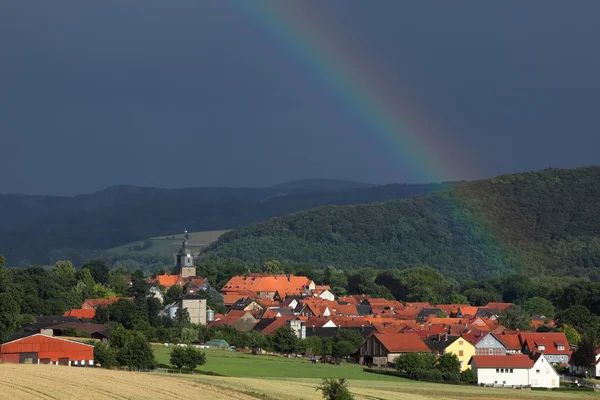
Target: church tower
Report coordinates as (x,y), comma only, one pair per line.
(185,259)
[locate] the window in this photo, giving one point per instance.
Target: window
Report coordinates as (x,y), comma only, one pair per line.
(491,351)
(511,370)
(537,371)
(561,347)
(462,364)
(504,382)
(497,370)
(541,348)
(461,353)
(461,342)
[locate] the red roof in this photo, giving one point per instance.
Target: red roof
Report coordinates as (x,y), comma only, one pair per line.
(550,341)
(512,342)
(283,284)
(278,323)
(93,303)
(401,342)
(509,361)
(81,313)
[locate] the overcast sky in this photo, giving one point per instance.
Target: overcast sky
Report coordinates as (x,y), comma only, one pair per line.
(192,93)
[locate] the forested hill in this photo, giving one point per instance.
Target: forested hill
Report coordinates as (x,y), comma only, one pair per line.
(44,229)
(537,222)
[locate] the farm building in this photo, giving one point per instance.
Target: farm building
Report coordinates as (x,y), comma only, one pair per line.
(41,349)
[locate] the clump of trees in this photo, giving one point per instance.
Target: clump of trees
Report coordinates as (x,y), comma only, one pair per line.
(125,348)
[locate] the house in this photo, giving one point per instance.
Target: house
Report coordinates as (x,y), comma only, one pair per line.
(383,348)
(514,370)
(196,308)
(441,344)
(511,342)
(464,312)
(41,349)
(154,291)
(554,345)
(486,343)
(246,304)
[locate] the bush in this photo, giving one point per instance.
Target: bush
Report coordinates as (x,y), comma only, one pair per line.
(410,362)
(430,375)
(451,377)
(468,376)
(448,364)
(105,355)
(189,357)
(335,389)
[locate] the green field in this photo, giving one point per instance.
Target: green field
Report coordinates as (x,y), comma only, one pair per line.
(276,377)
(235,364)
(169,244)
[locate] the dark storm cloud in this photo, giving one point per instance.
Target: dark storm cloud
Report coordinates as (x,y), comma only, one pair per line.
(187,93)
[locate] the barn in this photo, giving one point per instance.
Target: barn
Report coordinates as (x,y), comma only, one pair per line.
(41,349)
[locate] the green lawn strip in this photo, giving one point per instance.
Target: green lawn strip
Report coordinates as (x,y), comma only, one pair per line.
(237,364)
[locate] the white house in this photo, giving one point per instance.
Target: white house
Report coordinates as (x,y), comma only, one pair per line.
(514,370)
(543,373)
(327,295)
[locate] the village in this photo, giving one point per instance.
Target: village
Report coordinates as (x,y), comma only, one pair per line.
(389,329)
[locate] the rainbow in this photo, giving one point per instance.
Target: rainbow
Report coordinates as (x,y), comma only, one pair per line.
(390,124)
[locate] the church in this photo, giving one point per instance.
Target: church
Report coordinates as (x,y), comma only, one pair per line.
(185,276)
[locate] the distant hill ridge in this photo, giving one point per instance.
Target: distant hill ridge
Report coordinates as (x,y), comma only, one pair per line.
(43,229)
(541,222)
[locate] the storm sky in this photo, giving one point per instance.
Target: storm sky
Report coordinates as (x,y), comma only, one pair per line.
(200,93)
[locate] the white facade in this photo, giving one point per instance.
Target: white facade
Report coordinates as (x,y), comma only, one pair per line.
(502,376)
(543,374)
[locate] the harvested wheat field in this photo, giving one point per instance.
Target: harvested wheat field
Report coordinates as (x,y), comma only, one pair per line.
(57,382)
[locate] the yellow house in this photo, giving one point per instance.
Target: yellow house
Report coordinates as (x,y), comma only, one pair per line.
(443,343)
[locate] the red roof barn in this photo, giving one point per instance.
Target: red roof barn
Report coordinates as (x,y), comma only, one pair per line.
(41,349)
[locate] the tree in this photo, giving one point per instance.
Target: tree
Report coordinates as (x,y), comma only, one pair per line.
(85,283)
(409,362)
(9,303)
(139,289)
(99,270)
(272,267)
(104,355)
(335,389)
(342,348)
(124,312)
(64,273)
(573,337)
(102,292)
(448,363)
(468,376)
(480,297)
(187,356)
(173,293)
(136,352)
(514,318)
(182,316)
(539,305)
(312,345)
(285,340)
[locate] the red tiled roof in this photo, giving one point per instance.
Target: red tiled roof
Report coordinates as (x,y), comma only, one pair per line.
(278,323)
(512,342)
(509,361)
(551,341)
(283,284)
(81,313)
(347,299)
(468,311)
(401,342)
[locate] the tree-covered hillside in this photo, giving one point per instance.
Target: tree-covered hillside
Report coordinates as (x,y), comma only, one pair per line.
(537,222)
(45,229)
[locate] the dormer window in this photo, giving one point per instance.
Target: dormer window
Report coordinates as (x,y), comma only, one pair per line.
(561,347)
(541,348)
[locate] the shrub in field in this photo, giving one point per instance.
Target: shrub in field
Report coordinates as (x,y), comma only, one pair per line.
(335,389)
(468,376)
(105,355)
(451,377)
(448,363)
(189,357)
(430,375)
(409,362)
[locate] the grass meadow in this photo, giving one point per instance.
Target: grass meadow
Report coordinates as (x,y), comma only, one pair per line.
(166,245)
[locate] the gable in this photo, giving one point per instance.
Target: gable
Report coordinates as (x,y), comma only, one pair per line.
(490,341)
